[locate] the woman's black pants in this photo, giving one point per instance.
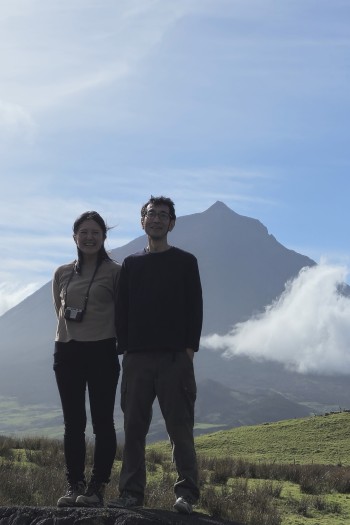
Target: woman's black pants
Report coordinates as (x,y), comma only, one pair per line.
(94,366)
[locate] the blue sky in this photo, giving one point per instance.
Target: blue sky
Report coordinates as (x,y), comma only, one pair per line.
(104,102)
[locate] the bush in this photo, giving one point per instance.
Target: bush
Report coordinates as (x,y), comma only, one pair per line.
(242,504)
(32,472)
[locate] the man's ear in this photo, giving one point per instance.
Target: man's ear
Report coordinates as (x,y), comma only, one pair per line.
(171,225)
(75,238)
(142,223)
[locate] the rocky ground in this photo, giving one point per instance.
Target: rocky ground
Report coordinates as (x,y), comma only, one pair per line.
(104,516)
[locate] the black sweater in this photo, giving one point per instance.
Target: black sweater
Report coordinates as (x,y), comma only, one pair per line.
(159,303)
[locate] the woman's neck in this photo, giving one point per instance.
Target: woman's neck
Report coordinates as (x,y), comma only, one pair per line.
(89,261)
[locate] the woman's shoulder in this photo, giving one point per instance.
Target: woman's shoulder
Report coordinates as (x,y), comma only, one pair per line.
(64,268)
(112,266)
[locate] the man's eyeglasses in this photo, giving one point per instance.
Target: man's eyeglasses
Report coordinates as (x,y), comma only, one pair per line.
(162,215)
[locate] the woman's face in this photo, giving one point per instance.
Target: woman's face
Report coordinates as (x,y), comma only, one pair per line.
(89,238)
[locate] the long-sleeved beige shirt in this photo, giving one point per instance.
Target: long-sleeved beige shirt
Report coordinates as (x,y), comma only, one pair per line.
(99,321)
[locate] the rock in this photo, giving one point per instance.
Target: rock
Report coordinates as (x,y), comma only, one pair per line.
(102,516)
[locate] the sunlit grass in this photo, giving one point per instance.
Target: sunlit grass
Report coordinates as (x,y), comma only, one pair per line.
(293,472)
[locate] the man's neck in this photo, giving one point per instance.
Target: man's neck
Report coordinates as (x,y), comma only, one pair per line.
(157,245)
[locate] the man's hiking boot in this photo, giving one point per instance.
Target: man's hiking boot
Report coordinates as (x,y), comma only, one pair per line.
(73,491)
(183,506)
(93,496)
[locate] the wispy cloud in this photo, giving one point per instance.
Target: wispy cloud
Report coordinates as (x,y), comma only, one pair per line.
(13,293)
(103,103)
(307,329)
(16,125)
(102,42)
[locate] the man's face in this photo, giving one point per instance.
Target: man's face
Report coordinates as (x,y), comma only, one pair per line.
(157,221)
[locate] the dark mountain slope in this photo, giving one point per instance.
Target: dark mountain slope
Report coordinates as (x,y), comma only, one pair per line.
(243,269)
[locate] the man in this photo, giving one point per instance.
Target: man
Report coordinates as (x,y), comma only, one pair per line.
(159,323)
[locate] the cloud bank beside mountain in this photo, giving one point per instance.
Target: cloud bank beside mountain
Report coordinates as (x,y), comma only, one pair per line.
(306,329)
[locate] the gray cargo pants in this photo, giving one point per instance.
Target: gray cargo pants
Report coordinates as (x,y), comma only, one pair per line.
(169,376)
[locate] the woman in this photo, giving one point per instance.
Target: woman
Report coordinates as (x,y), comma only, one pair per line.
(84,293)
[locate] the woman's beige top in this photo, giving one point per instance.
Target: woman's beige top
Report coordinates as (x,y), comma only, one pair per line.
(100,314)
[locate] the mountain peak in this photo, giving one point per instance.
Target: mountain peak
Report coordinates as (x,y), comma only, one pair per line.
(243,269)
(219,208)
(219,205)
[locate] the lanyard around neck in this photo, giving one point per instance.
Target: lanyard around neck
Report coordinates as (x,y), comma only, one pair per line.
(88,289)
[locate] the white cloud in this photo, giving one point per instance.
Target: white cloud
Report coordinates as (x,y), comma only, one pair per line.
(13,293)
(104,102)
(53,51)
(16,123)
(306,329)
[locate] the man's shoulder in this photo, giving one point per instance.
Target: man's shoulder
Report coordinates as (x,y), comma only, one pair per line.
(179,252)
(174,251)
(133,256)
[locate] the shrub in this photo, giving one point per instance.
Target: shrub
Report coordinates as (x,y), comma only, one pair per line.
(32,472)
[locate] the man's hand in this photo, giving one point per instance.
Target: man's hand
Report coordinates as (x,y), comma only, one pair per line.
(190,353)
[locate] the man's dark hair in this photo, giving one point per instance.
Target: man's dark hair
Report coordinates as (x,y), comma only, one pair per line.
(158,201)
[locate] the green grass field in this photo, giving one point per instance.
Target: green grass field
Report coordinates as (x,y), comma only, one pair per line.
(318,439)
(292,472)
(314,440)
(17,419)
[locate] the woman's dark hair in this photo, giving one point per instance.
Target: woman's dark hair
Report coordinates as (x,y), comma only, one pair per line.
(102,254)
(158,201)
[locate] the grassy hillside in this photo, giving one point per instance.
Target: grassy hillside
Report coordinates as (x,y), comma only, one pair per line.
(317,439)
(285,473)
(307,458)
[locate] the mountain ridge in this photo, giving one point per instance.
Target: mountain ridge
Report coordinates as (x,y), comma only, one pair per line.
(243,269)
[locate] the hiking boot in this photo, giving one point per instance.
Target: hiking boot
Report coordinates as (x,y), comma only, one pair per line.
(126,501)
(93,497)
(183,506)
(73,491)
